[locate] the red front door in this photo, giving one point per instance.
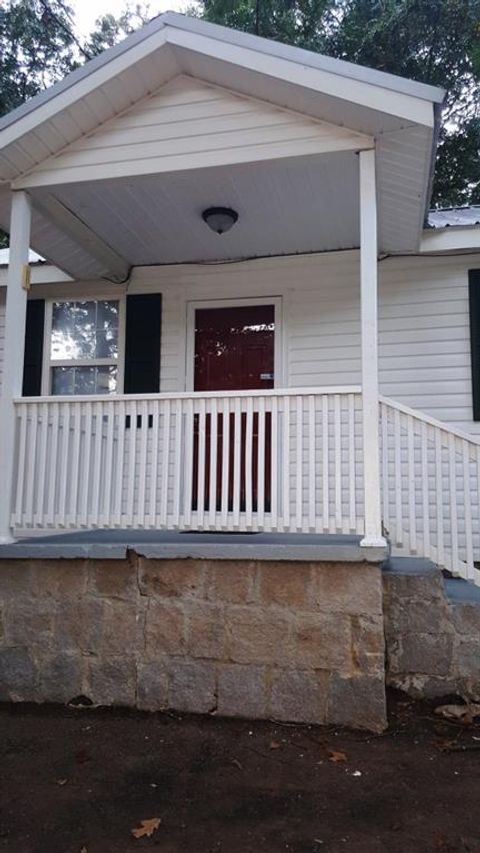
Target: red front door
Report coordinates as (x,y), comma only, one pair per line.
(234,351)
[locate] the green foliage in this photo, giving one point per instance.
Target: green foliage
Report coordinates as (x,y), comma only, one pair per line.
(36,48)
(110,30)
(299,22)
(433,41)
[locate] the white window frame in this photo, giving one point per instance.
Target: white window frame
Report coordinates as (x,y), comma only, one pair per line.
(49,363)
(278,336)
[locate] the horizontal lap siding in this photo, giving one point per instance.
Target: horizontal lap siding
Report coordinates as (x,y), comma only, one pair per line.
(424,332)
(424,335)
(188,123)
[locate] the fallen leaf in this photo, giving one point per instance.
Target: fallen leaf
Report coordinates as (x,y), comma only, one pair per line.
(83,850)
(462,713)
(62,782)
(274,744)
(147,827)
(336,756)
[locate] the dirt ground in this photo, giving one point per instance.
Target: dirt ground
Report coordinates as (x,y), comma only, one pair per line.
(78,781)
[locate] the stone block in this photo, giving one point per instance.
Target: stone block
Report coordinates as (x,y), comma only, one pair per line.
(205,630)
(467,658)
(59,579)
(284,584)
(368,645)
(359,702)
(152,686)
(79,625)
(111,681)
(299,696)
(30,622)
(466,618)
(258,636)
(61,677)
(421,653)
(18,675)
(16,577)
(171,578)
(191,686)
(121,629)
(322,641)
(113,579)
(427,587)
(229,581)
(426,686)
(404,616)
(353,588)
(164,629)
(242,691)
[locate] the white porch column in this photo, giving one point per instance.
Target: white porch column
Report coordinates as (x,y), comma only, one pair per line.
(369,327)
(15,317)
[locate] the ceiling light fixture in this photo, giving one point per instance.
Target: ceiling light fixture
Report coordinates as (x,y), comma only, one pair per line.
(220,219)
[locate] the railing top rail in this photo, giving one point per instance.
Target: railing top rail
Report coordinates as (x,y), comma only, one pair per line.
(194,395)
(421,416)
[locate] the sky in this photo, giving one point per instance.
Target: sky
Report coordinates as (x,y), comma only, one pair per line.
(87,11)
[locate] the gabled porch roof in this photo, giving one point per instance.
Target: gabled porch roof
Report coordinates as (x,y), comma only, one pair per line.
(306,195)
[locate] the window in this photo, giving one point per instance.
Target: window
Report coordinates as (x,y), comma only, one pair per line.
(84,347)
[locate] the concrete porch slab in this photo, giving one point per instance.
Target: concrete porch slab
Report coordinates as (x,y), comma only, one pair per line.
(171,544)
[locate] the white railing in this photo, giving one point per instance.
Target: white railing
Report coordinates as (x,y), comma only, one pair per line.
(430,489)
(281,460)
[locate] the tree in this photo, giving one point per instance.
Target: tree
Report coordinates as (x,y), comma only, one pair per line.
(433,41)
(300,22)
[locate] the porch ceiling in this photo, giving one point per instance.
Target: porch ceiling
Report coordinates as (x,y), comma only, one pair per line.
(398,114)
(284,206)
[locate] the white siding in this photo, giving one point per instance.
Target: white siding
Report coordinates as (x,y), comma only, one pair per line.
(189,124)
(423,322)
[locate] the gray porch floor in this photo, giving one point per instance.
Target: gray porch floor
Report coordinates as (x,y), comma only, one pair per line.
(114,544)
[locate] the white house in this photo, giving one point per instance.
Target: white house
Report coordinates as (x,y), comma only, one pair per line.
(246,321)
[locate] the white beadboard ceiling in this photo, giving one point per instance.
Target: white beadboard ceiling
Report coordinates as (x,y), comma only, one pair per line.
(285,206)
(399,114)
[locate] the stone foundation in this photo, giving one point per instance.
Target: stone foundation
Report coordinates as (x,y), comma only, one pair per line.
(289,641)
(432,643)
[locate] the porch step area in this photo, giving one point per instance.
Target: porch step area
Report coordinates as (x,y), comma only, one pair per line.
(457,590)
(432,630)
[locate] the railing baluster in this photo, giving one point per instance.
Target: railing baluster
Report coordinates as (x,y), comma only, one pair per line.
(164,491)
(201,462)
(411,485)
(274,465)
(97,464)
(311,443)
(452,476)
(352,472)
(439,495)
(337,456)
(120,464)
(325,465)
(177,463)
(286,463)
(22,423)
(53,468)
(212,495)
(107,513)
(237,458)
(40,419)
(299,463)
(63,466)
(468,512)
(224,497)
(189,439)
(261,463)
(248,463)
(132,462)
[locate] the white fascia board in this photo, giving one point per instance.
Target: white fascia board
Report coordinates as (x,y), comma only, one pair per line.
(450,239)
(302,56)
(371,96)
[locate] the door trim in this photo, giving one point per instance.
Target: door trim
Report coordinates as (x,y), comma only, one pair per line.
(278,336)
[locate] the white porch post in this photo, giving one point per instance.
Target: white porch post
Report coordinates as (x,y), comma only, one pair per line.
(15,318)
(369,327)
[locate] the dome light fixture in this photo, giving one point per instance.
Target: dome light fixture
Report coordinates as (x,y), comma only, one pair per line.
(220,219)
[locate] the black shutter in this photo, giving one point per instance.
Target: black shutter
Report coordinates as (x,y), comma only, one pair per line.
(33,360)
(142,344)
(474,299)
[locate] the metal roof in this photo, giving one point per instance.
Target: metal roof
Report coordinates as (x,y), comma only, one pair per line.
(454,217)
(234,37)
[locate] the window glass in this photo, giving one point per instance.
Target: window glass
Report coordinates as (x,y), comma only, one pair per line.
(84,330)
(84,347)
